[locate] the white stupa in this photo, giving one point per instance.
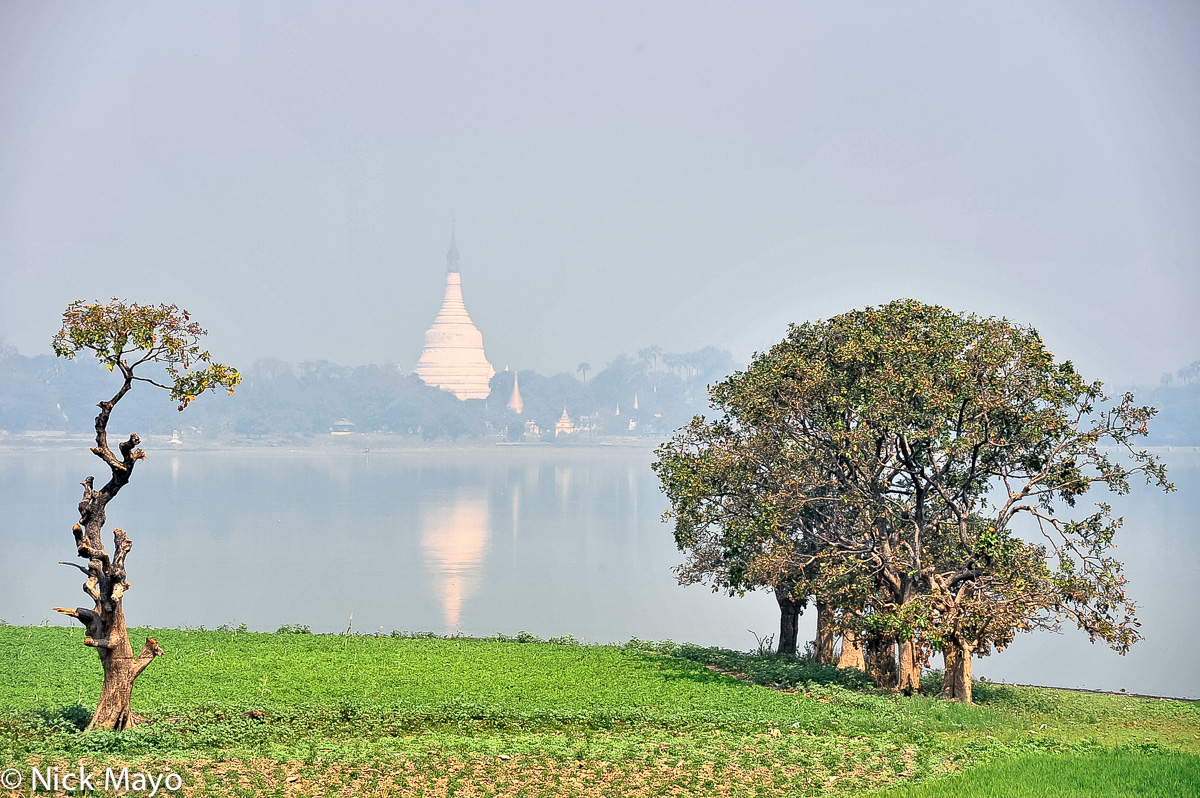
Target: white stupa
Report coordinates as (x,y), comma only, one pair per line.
(453,359)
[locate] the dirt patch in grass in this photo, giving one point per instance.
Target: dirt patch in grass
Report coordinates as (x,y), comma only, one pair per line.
(521,775)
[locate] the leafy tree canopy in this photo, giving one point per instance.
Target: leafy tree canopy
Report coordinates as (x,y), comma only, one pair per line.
(125,335)
(893,447)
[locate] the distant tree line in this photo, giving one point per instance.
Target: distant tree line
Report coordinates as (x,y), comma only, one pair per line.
(1188,375)
(657,391)
(1177,398)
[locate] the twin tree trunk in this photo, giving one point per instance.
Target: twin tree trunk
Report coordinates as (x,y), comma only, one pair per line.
(889,671)
(893,664)
(106,581)
(790,610)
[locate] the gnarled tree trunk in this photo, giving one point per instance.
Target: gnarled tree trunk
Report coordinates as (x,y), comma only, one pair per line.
(852,654)
(881,660)
(790,610)
(106,580)
(956,685)
(120,669)
(823,646)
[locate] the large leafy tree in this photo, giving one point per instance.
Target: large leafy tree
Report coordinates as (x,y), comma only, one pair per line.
(128,339)
(931,421)
(938,430)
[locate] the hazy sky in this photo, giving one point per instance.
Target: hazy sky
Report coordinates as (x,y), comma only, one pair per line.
(620,175)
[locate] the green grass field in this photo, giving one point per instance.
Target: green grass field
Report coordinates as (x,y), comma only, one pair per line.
(1108,774)
(237,713)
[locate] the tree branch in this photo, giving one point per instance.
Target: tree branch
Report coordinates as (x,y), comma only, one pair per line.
(151,650)
(152,382)
(123,545)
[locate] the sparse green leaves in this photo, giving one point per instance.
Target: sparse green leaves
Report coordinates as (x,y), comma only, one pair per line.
(124,336)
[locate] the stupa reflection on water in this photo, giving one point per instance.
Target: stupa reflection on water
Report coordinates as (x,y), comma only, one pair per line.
(454,540)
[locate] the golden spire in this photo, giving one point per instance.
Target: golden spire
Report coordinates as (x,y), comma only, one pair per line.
(452,254)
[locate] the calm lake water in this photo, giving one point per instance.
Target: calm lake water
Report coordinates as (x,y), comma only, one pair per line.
(492,539)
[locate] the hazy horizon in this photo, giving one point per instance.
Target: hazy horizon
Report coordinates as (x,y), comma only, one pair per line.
(618,176)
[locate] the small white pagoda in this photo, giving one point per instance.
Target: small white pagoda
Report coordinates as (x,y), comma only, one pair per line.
(515,402)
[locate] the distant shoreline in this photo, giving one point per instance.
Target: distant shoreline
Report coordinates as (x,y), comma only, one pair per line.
(1093,691)
(354,444)
(372,443)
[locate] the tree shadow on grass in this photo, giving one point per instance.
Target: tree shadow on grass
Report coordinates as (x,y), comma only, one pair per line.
(75,716)
(673,669)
